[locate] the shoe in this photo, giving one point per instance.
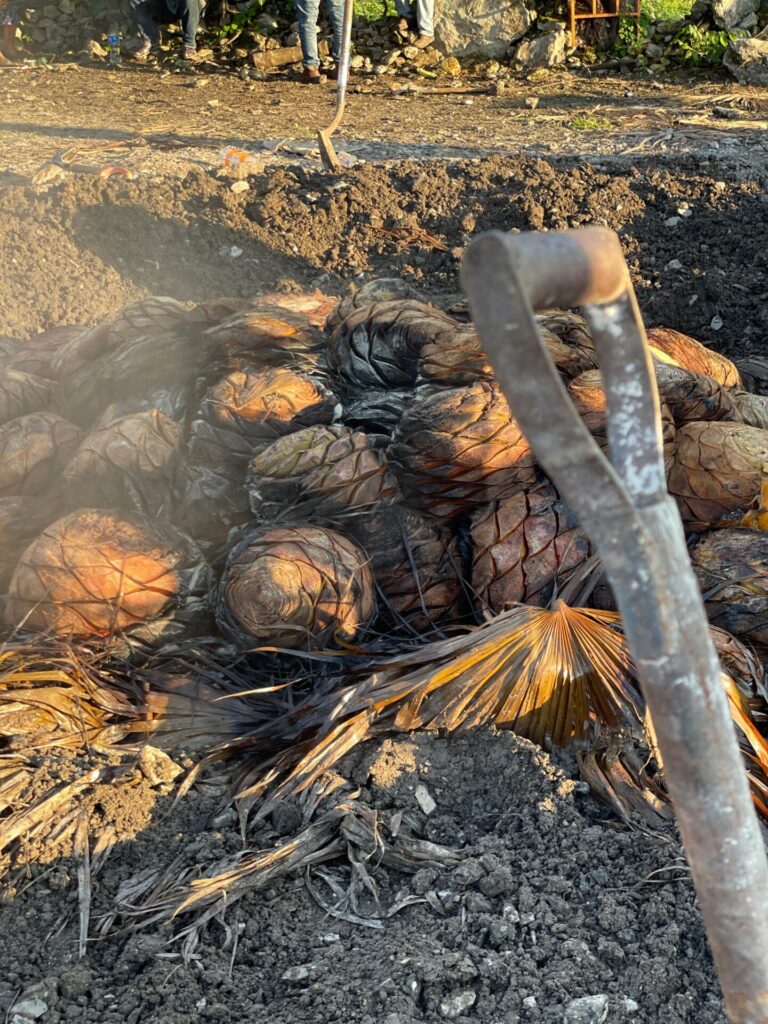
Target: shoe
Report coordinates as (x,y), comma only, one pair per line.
(146,50)
(311,76)
(6,62)
(423,42)
(191,54)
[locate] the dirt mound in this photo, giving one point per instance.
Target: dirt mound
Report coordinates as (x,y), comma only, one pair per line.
(550,903)
(694,241)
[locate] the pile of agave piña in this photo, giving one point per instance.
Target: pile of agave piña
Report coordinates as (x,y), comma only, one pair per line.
(298,476)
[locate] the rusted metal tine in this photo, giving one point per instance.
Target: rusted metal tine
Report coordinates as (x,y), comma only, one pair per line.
(636,528)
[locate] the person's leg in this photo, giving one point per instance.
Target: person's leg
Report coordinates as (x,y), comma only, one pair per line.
(425,16)
(190,18)
(9,42)
(306,13)
(141,14)
(404,10)
(335,10)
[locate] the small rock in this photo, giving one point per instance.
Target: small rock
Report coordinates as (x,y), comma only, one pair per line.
(529,1003)
(356,62)
(298,975)
(424,800)
(411,52)
(672,222)
(719,186)
(157,767)
(454,1005)
(213,104)
(674,265)
(235,251)
(716,323)
(76,982)
(586,1010)
(94,49)
(531,102)
(468,101)
(747,60)
(544,50)
(628,1005)
(30,1007)
(239,186)
(330,938)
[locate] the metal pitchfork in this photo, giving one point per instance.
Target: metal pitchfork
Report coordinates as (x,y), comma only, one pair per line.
(624,506)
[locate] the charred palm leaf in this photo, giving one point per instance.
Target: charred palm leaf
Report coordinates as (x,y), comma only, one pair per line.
(718,470)
(382,289)
(460,447)
(327,471)
(21,520)
(130,464)
(692,355)
(209,314)
(694,397)
(302,587)
(378,412)
(37,355)
(316,306)
(173,402)
(416,567)
(135,369)
(250,408)
(211,504)
(732,568)
(754,374)
(380,346)
(572,331)
(266,335)
(589,398)
(523,548)
(154,315)
(33,451)
(9,349)
(95,573)
(22,393)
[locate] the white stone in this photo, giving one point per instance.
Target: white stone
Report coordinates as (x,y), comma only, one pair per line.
(747,60)
(454,1005)
(586,1010)
(424,800)
(543,50)
(728,13)
(157,767)
(480,28)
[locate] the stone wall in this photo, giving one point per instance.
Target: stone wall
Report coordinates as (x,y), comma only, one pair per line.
(63,25)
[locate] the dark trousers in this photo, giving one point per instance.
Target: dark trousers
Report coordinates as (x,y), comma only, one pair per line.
(148,14)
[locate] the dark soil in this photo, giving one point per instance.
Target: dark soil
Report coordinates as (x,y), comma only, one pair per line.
(89,246)
(551,902)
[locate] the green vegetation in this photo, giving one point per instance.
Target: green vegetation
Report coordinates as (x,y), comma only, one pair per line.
(589,124)
(665,10)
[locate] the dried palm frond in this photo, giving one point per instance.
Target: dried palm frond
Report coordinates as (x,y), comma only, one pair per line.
(692,355)
(460,447)
(379,346)
(213,312)
(382,289)
(692,396)
(523,547)
(327,471)
(588,396)
(732,568)
(21,520)
(265,335)
(718,470)
(153,315)
(751,409)
(249,408)
(36,355)
(33,451)
(95,573)
(22,393)
(316,306)
(416,566)
(130,464)
(378,412)
(302,587)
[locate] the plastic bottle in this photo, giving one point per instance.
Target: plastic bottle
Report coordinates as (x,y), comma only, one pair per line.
(113,41)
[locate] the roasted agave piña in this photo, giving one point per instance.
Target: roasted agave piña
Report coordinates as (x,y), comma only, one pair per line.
(323,470)
(522,548)
(456,448)
(97,573)
(692,355)
(33,451)
(300,587)
(732,569)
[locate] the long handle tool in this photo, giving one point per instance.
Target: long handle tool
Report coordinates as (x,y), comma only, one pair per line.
(327,153)
(636,528)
